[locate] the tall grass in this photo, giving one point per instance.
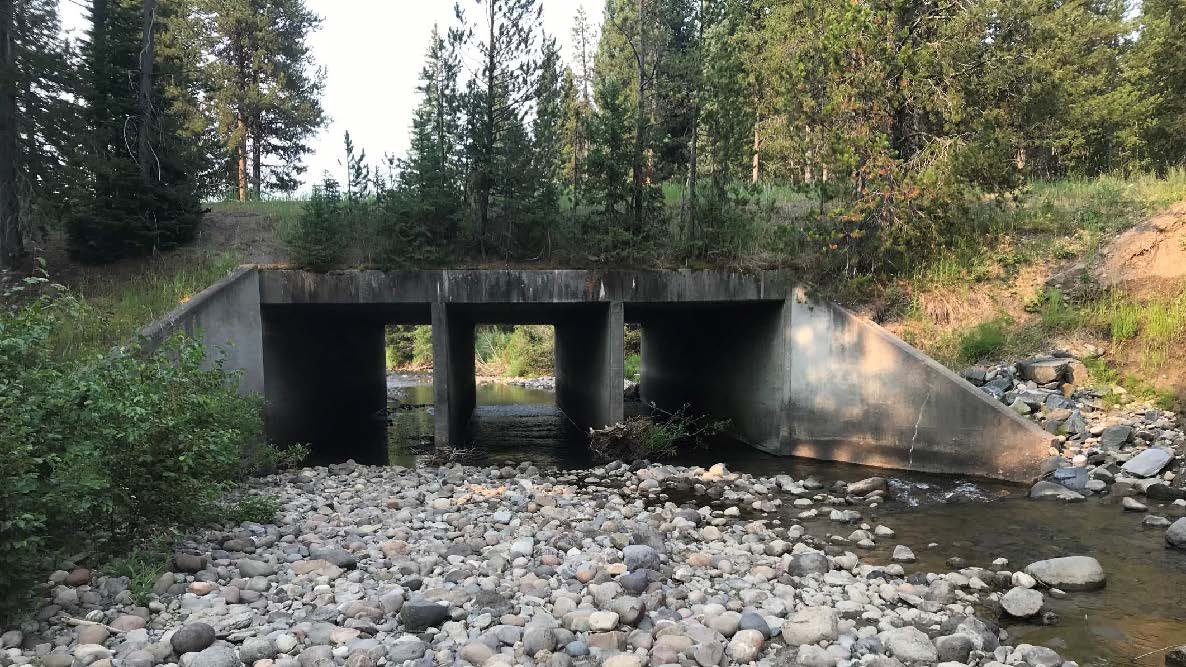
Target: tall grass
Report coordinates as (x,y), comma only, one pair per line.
(520,351)
(116,312)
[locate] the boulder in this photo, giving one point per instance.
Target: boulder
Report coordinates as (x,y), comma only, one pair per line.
(909,644)
(419,616)
(1148,463)
(1175,536)
(218,655)
(1022,602)
(1070,573)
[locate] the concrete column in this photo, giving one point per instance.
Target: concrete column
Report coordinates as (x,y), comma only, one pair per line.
(325,383)
(453,386)
(589,364)
(730,361)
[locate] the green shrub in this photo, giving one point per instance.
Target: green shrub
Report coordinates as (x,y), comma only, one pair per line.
(101,452)
(253,509)
(983,341)
(318,239)
(633,366)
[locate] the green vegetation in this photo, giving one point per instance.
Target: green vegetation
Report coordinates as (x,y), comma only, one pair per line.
(104,451)
(660,436)
(519,351)
(114,312)
(143,567)
(409,347)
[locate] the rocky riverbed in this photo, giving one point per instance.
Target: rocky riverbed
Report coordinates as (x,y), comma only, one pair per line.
(619,565)
(1126,452)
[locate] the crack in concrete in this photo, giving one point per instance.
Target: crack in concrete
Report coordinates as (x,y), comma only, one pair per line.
(918,421)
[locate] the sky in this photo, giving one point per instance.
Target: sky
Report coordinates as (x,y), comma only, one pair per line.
(373,51)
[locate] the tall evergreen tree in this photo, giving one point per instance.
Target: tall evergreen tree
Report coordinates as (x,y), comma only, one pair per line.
(266,87)
(125,212)
(500,95)
(11,244)
(1157,68)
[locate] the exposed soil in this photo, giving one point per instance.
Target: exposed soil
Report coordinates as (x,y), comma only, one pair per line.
(1147,256)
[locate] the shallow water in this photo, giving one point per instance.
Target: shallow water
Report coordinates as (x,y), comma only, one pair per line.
(1142,609)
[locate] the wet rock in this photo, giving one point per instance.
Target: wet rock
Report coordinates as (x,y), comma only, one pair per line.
(1176,657)
(1176,535)
(1070,573)
(1131,505)
(903,554)
(867,486)
(1022,602)
(1045,490)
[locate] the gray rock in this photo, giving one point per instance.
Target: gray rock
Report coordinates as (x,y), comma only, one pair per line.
(1148,463)
(1072,478)
(404,650)
(1115,436)
(189,563)
(1176,657)
(419,616)
(192,637)
(316,656)
(754,621)
(811,625)
(257,648)
(536,639)
(218,655)
(1070,573)
(953,648)
(1175,536)
(249,567)
(903,554)
(909,644)
(1022,602)
(1132,505)
(640,557)
(339,557)
(802,565)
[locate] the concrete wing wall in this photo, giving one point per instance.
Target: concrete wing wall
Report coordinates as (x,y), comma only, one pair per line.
(226,317)
(859,394)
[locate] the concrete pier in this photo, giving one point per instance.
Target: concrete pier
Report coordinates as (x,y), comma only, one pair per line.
(792,374)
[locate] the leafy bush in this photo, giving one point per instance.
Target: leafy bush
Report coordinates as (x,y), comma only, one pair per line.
(409,347)
(318,239)
(101,452)
(519,351)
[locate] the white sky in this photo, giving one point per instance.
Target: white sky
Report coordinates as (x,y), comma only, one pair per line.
(373,51)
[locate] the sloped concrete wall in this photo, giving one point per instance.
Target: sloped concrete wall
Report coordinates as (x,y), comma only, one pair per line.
(226,317)
(861,395)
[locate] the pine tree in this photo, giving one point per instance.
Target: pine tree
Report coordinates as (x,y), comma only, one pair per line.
(499,97)
(1157,66)
(547,140)
(133,207)
(11,244)
(266,87)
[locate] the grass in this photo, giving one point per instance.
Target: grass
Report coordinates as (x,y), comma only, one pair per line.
(143,567)
(118,309)
(283,210)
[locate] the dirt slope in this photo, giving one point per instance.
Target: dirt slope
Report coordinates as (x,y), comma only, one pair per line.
(1148,255)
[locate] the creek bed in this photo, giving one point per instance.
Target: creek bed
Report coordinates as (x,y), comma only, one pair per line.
(1141,611)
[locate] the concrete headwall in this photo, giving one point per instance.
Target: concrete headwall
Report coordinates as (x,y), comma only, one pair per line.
(226,317)
(862,395)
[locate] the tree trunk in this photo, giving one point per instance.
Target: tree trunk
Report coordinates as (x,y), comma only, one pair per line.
(485,172)
(257,162)
(757,157)
(144,153)
(11,247)
(242,150)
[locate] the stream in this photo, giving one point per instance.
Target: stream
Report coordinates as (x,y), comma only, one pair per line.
(1141,611)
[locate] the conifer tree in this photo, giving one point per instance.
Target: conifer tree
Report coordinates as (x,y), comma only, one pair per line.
(266,89)
(499,96)
(132,207)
